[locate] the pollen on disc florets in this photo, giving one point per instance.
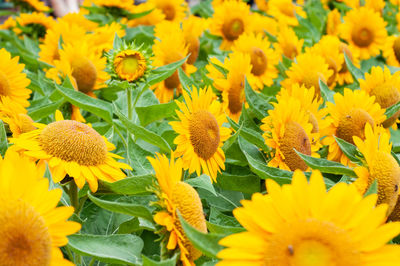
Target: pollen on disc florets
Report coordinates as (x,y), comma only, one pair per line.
(396,49)
(204,134)
(232,29)
(295,137)
(236,97)
(387,95)
(73,141)
(188,203)
(258,61)
(353,124)
(85,74)
(4,85)
(25,239)
(362,37)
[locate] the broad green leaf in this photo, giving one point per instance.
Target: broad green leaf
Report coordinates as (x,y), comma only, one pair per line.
(326,166)
(348,149)
(96,106)
(161,73)
(257,103)
(204,182)
(119,249)
(137,157)
(135,224)
(326,93)
(373,188)
(131,185)
(217,217)
(141,132)
(355,72)
(168,262)
(152,113)
(186,82)
(3,139)
(139,15)
(228,143)
(244,183)
(392,110)
(315,34)
(131,209)
(39,112)
(206,243)
(224,230)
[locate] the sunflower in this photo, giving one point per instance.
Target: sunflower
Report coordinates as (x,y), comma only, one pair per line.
(262,5)
(79,19)
(386,89)
(303,224)
(102,38)
(13,83)
(174,10)
(16,118)
(263,58)
(344,76)
(379,165)
(261,24)
(376,5)
(364,30)
(333,22)
(238,67)
(32,228)
(168,48)
(230,20)
(33,24)
(82,65)
(288,127)
(285,11)
(193,27)
(9,23)
(348,117)
(308,69)
(153,18)
(288,43)
(201,134)
(391,51)
(31,5)
(174,196)
(72,148)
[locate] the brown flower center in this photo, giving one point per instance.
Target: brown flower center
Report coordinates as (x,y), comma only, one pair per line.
(362,37)
(314,122)
(353,124)
(4,85)
(194,49)
(396,49)
(313,81)
(332,66)
(233,29)
(386,95)
(85,74)
(204,134)
(173,81)
(295,138)
(169,12)
(25,239)
(290,50)
(73,141)
(258,61)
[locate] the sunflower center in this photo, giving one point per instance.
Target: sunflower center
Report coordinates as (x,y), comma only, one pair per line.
(362,37)
(204,134)
(26,123)
(258,61)
(313,81)
(73,141)
(386,95)
(194,49)
(4,85)
(85,74)
(345,50)
(314,122)
(25,239)
(188,203)
(130,65)
(169,12)
(236,97)
(396,48)
(287,10)
(295,137)
(353,124)
(332,66)
(290,50)
(173,81)
(311,242)
(233,29)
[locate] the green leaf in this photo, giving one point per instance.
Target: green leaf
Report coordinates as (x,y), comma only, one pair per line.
(355,72)
(204,182)
(142,132)
(348,149)
(39,112)
(131,209)
(326,93)
(161,73)
(228,143)
(257,103)
(224,230)
(206,243)
(243,183)
(152,113)
(315,34)
(139,15)
(326,166)
(168,262)
(186,82)
(373,188)
(392,110)
(131,185)
(3,139)
(137,158)
(120,249)
(96,106)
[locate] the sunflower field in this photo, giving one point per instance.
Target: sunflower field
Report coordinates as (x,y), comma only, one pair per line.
(173,132)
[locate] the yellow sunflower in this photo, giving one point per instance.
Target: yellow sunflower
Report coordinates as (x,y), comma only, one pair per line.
(13,83)
(239,67)
(230,20)
(38,24)
(261,24)
(285,11)
(9,23)
(263,58)
(168,48)
(73,148)
(364,30)
(262,5)
(130,65)
(153,18)
(348,117)
(175,195)
(344,76)
(201,134)
(303,224)
(308,69)
(32,228)
(288,43)
(82,65)
(174,10)
(31,5)
(333,22)
(391,51)
(16,118)
(376,5)
(386,89)
(79,19)
(379,165)
(193,27)
(102,38)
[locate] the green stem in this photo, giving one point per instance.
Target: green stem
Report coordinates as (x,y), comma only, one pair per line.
(73,196)
(129,98)
(92,262)
(69,253)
